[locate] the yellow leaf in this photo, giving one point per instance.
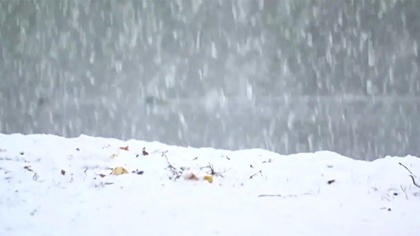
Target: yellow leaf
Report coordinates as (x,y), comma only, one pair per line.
(209,178)
(119,171)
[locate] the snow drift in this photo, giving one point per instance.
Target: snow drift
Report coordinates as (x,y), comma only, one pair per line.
(96,186)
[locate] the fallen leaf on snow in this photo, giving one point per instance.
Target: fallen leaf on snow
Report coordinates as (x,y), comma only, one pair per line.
(102,175)
(209,178)
(28,168)
(144,152)
(124,148)
(63,172)
(190,176)
(119,171)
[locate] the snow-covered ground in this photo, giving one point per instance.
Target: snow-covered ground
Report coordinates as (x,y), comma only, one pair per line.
(51,185)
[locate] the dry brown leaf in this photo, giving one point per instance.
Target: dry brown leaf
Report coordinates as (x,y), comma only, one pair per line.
(124,148)
(63,172)
(190,176)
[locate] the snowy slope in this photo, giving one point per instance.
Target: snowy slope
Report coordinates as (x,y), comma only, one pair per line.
(50,185)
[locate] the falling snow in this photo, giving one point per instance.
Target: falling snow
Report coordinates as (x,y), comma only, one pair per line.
(288,76)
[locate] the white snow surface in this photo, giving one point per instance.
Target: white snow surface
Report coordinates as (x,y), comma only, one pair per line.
(51,185)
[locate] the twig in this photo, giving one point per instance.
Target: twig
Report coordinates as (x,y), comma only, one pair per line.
(403,190)
(102,184)
(164,153)
(385,208)
(414,181)
(270,195)
(212,171)
(412,176)
(401,164)
(85,171)
(283,196)
(176,174)
(385,198)
(35,176)
(252,176)
(33,211)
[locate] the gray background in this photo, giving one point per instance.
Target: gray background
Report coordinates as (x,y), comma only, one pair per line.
(288,75)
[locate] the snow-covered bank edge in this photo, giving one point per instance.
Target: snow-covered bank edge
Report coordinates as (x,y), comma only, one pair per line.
(103,158)
(99,186)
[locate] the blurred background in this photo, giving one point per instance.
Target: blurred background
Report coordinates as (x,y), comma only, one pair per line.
(284,75)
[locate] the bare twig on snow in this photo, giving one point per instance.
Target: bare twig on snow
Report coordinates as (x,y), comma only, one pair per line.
(283,196)
(414,181)
(176,174)
(252,176)
(212,171)
(403,190)
(401,164)
(412,176)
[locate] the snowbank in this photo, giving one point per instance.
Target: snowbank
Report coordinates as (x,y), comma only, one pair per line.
(95,186)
